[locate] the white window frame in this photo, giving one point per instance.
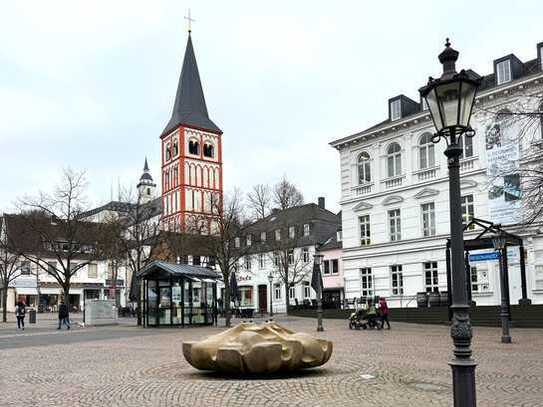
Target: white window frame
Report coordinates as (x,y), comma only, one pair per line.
(468,209)
(394,161)
(276,259)
(363,168)
(428,213)
(538,277)
(305,254)
(394,224)
(291,232)
(248,263)
(395,109)
(246,300)
(262,236)
(326,269)
(277,234)
(291,292)
(364,226)
(307,289)
(261,260)
(366,282)
(277,291)
(503,72)
(92,266)
(431,276)
(306,229)
(468,148)
(396,279)
(237,242)
(427,157)
(332,262)
(249,240)
(290,257)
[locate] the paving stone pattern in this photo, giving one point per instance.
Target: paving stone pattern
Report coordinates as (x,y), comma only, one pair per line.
(130,366)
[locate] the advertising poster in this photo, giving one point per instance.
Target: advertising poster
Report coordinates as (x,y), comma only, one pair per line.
(503,154)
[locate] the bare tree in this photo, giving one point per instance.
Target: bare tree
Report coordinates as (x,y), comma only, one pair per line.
(53,230)
(10,266)
(225,243)
(259,200)
(286,194)
(141,237)
(290,264)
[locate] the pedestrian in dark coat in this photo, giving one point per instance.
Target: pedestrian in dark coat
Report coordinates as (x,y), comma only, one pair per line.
(383,311)
(20,312)
(63,318)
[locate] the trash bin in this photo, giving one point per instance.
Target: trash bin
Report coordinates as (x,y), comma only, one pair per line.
(32,316)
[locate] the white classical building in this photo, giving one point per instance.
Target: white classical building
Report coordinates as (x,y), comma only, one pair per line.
(395,201)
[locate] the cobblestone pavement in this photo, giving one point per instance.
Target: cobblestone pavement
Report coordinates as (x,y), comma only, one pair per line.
(130,366)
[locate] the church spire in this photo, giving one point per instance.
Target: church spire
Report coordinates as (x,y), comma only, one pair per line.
(190,108)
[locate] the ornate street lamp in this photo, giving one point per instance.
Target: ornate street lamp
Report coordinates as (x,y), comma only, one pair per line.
(450,100)
(499,243)
(270,279)
(316,283)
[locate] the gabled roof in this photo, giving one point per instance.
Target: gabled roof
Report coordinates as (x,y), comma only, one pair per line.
(190,108)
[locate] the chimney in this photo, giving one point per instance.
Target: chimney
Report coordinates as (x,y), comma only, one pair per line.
(321,202)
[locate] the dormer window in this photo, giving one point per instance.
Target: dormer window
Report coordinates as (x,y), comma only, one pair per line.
(503,71)
(249,240)
(395,109)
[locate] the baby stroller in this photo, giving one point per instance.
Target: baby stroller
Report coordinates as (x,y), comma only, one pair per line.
(364,319)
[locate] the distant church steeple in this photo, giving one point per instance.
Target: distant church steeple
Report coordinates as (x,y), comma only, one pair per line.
(146,186)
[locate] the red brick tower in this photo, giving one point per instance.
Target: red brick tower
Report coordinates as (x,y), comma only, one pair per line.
(192,180)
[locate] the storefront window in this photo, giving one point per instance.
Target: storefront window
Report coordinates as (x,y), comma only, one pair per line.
(176,303)
(197,311)
(152,302)
(246,294)
(165,310)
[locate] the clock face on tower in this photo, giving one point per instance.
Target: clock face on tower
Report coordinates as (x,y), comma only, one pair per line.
(192,184)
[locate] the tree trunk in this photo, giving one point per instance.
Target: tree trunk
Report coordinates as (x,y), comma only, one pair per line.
(66,290)
(4,304)
(227,312)
(287,299)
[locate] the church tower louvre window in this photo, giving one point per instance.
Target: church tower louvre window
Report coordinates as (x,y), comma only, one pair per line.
(192,146)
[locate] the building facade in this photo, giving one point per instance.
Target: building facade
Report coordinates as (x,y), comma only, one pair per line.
(285,237)
(394,193)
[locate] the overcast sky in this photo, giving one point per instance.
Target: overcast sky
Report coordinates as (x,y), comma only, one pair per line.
(91,84)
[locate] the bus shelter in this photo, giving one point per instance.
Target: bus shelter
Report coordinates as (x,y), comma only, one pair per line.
(177,295)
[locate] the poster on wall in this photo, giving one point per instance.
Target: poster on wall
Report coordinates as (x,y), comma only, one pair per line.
(503,154)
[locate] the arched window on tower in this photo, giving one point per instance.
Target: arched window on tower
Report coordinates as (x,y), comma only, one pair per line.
(168,152)
(426,152)
(394,160)
(364,169)
(175,148)
(208,150)
(194,147)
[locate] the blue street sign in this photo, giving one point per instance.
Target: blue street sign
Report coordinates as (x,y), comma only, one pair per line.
(484,256)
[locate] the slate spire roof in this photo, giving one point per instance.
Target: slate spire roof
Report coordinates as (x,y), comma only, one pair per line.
(190,108)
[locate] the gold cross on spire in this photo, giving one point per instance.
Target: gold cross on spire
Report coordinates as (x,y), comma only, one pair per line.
(189,20)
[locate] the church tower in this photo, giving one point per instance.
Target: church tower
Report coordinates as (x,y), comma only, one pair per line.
(146,186)
(192,182)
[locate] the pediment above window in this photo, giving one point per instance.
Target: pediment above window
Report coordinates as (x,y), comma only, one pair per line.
(362,206)
(392,200)
(468,183)
(426,192)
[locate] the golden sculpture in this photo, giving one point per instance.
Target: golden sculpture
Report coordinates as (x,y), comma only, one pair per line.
(252,348)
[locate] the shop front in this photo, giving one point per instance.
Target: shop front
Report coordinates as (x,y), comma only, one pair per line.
(178,294)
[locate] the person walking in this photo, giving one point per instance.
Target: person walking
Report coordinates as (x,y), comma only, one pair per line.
(383,311)
(63,316)
(20,311)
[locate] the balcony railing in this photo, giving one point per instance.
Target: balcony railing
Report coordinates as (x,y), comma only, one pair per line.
(393,182)
(426,173)
(467,164)
(363,189)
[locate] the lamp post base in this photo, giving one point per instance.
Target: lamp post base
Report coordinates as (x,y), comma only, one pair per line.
(320,329)
(506,339)
(525,301)
(463,371)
